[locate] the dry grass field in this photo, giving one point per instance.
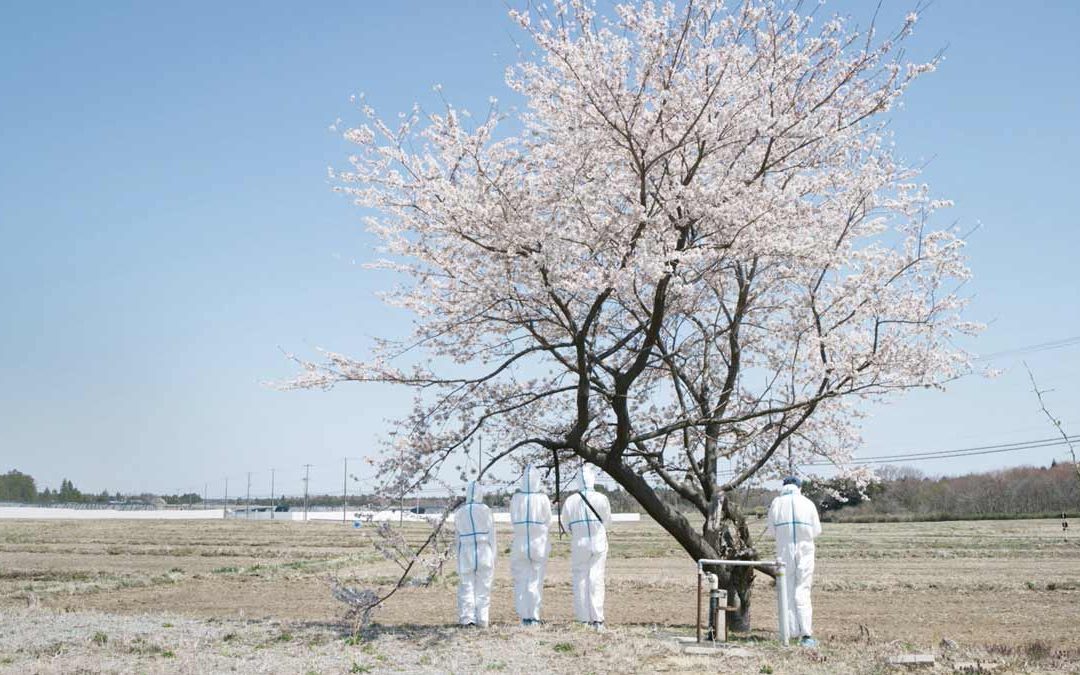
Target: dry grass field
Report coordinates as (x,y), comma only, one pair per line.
(233,596)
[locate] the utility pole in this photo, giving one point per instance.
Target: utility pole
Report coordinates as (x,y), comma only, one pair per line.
(272,507)
(225,508)
(307,476)
(345,491)
(205,492)
(249,497)
(790,458)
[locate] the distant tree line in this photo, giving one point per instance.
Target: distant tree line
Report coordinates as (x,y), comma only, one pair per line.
(900,493)
(16,486)
(324,500)
(905,493)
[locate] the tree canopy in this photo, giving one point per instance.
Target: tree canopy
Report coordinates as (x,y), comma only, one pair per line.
(691,260)
(16,486)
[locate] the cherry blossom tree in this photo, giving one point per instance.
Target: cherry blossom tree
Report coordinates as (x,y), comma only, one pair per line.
(691,261)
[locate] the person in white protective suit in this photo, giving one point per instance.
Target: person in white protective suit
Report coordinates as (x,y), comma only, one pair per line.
(530,512)
(586,514)
(476,557)
(793,521)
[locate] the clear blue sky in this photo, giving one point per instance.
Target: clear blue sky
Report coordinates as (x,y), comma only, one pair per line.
(166,225)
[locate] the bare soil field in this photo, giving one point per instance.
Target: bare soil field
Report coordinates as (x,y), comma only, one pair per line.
(234,596)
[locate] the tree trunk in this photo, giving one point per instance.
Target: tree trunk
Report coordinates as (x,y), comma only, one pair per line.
(726,530)
(725,535)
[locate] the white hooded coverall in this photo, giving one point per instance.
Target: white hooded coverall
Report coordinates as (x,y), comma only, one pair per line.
(530,512)
(475,555)
(588,545)
(793,521)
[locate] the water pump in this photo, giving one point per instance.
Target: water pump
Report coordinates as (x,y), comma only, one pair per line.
(717,610)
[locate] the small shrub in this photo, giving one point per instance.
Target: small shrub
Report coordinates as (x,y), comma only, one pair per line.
(766,669)
(140,646)
(100,639)
(564,648)
(359,668)
(1037,650)
(168,654)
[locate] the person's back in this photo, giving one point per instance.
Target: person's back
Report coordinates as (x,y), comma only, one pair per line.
(530,513)
(587,526)
(793,521)
(476,557)
(586,514)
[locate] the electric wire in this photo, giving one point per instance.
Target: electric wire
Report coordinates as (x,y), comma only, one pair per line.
(1031,349)
(959,452)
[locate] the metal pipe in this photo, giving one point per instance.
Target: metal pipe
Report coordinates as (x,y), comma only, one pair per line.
(735,563)
(699,605)
(781,595)
(717,611)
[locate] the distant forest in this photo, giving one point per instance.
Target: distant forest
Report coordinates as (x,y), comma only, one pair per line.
(904,493)
(900,493)
(19,487)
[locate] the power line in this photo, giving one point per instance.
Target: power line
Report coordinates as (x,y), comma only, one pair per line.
(979,449)
(1031,349)
(968,454)
(957,452)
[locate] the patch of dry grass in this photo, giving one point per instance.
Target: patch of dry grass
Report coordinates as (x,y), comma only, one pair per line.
(48,641)
(214,596)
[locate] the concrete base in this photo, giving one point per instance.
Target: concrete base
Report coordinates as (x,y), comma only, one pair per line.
(975,667)
(720,650)
(917,660)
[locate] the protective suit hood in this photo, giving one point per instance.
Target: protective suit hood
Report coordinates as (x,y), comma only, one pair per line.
(788,489)
(530,480)
(474,494)
(586,478)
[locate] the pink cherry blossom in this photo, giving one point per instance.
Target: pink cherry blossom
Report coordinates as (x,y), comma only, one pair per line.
(692,264)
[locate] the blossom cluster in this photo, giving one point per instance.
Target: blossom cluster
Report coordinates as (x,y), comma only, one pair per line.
(693,262)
